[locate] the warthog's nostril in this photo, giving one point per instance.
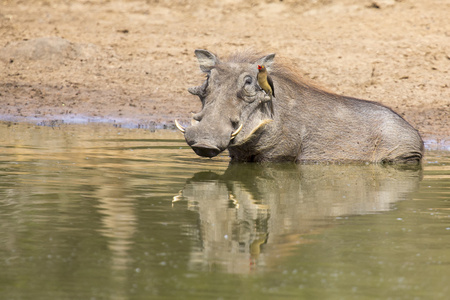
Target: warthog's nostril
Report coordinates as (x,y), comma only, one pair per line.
(205,150)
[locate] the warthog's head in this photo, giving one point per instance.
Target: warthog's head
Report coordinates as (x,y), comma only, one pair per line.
(233,105)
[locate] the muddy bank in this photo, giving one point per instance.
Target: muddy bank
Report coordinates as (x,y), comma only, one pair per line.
(131,62)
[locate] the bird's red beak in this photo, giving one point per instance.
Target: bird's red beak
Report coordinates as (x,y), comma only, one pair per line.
(259,67)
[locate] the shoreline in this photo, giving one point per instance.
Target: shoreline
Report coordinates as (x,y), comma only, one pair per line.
(432,141)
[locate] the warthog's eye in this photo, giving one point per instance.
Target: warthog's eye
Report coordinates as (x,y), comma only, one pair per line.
(248,80)
(248,90)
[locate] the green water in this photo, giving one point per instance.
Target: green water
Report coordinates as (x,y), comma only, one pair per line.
(97,212)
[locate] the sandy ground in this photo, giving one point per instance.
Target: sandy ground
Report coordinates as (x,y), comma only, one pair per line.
(132,61)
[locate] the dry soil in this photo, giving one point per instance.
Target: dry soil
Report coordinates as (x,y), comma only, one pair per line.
(131,62)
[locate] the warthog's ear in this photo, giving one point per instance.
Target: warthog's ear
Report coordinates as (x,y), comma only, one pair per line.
(206,59)
(266,61)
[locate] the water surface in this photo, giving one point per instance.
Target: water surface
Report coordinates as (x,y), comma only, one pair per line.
(97,212)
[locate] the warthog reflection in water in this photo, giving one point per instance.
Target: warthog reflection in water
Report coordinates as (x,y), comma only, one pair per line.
(308,124)
(256,213)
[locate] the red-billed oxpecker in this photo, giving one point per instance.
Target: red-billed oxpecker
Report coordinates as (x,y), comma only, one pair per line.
(266,84)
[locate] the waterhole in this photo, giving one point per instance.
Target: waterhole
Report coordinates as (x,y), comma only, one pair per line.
(98,212)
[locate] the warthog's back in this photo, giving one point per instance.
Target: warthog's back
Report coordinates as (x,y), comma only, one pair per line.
(351,129)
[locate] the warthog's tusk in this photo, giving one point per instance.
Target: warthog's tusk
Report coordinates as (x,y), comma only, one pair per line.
(181,128)
(235,133)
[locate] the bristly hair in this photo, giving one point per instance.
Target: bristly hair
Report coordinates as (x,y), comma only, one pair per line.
(281,68)
(285,70)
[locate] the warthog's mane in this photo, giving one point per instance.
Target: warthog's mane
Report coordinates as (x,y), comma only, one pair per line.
(287,72)
(283,69)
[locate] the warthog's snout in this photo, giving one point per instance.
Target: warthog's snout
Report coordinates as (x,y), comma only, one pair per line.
(205,150)
(206,145)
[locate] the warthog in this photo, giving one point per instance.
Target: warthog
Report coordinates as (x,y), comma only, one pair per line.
(308,124)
